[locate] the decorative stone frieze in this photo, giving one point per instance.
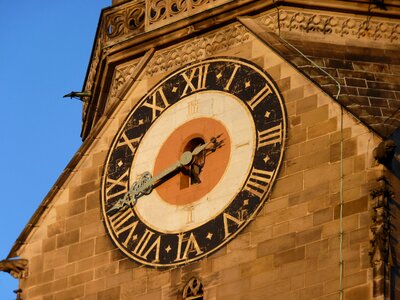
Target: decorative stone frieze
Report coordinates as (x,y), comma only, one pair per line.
(380,254)
(198,48)
(193,290)
(161,12)
(121,75)
(129,20)
(340,25)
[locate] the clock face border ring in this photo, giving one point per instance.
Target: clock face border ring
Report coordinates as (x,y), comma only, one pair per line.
(255,88)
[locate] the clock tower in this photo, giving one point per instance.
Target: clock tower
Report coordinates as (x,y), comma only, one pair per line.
(229,152)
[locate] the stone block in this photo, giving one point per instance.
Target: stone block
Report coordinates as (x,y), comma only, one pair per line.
(352,207)
(112,293)
(294,94)
(359,236)
(297,282)
(106,270)
(56,228)
(234,258)
(64,271)
(80,251)
(317,248)
(280,229)
(72,293)
(308,236)
(289,256)
(306,104)
(301,224)
(287,185)
(307,195)
(103,244)
(93,262)
(323,216)
(119,278)
(67,238)
(257,266)
(49,244)
(315,116)
(322,275)
(296,135)
(55,258)
(83,189)
(92,230)
(323,128)
(314,145)
(92,201)
(277,244)
(80,278)
(359,292)
(312,292)
(349,149)
(95,286)
(90,174)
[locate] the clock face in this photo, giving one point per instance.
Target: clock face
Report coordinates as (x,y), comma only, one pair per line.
(227,115)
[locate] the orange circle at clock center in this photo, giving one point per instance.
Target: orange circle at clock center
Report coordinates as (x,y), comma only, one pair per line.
(171,190)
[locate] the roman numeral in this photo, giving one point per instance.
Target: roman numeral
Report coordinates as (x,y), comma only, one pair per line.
(131,143)
(191,246)
(143,249)
(228,217)
(260,96)
(155,107)
(122,181)
(270,136)
(258,182)
(228,85)
(191,85)
(118,224)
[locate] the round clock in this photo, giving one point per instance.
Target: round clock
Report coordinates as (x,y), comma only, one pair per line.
(194,162)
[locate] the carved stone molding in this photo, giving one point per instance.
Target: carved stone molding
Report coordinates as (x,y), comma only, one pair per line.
(161,12)
(126,21)
(193,290)
(197,49)
(16,267)
(121,75)
(380,255)
(340,25)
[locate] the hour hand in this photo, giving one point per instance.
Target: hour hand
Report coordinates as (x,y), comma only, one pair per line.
(128,200)
(117,206)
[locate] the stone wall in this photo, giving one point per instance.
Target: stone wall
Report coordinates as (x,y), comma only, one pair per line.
(289,251)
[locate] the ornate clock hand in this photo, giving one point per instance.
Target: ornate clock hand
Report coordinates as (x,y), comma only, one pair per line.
(145,184)
(213,141)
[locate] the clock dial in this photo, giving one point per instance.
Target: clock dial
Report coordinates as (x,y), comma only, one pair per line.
(229,108)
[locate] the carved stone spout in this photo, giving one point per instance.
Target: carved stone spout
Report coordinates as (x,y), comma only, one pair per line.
(15,267)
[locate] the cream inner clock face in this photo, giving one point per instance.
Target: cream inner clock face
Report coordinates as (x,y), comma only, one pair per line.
(237,121)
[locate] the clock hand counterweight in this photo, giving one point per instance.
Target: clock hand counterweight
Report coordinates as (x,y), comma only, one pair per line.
(145,184)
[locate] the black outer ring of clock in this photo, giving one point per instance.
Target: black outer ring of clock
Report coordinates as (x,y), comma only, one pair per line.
(150,247)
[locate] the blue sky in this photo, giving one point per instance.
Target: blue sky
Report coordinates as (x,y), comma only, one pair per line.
(44,54)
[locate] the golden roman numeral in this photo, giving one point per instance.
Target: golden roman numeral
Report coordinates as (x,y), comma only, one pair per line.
(117,182)
(131,143)
(191,246)
(270,136)
(226,225)
(201,79)
(156,109)
(118,221)
(143,250)
(258,182)
(261,95)
(228,85)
